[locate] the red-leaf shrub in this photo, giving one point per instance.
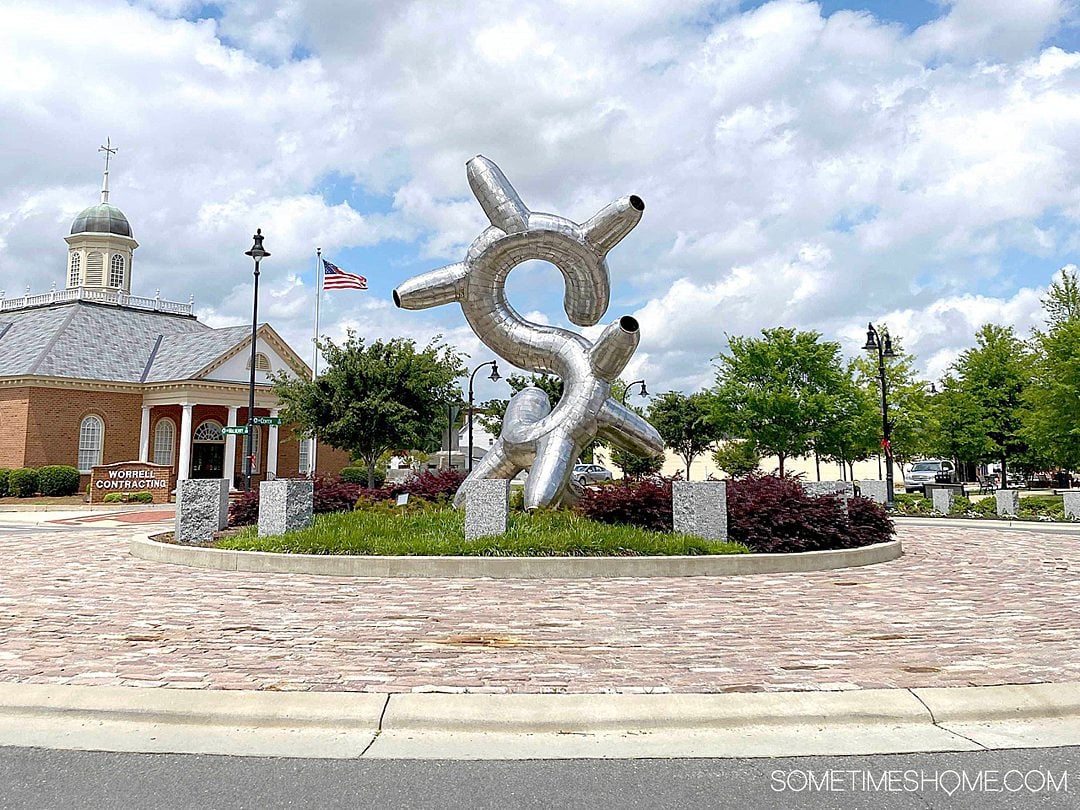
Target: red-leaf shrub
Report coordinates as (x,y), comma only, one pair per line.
(645,503)
(244,509)
(771,514)
(767,513)
(433,486)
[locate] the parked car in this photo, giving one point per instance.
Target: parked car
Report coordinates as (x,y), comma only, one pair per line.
(590,473)
(929,471)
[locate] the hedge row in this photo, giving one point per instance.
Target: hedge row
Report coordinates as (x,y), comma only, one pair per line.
(52,480)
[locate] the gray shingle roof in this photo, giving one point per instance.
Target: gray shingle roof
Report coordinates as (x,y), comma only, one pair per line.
(93,342)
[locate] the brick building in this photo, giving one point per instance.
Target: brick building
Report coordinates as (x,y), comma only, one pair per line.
(91,374)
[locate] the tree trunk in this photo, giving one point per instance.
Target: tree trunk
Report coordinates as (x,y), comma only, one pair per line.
(780,456)
(1004,475)
(688,459)
(817,465)
(851,473)
(370,472)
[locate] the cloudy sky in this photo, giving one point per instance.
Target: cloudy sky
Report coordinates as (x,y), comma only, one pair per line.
(807,164)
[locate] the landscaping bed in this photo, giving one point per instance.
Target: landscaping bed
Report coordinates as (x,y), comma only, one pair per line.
(1036,508)
(623,519)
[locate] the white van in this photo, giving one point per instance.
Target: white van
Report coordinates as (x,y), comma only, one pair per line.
(927,472)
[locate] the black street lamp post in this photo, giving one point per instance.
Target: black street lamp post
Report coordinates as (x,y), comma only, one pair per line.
(882,344)
(494,378)
(258,254)
(643,392)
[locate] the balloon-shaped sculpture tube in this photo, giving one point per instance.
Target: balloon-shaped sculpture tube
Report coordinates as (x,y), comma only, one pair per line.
(546,442)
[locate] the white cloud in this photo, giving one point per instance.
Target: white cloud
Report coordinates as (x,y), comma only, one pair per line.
(798,169)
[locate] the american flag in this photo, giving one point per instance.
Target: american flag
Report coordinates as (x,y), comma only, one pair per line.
(338,279)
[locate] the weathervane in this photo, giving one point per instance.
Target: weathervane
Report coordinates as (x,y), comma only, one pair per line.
(109,151)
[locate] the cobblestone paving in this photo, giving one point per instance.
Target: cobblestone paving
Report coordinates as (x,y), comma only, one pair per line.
(962,607)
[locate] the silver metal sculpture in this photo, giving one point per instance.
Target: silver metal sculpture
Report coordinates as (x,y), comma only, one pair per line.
(533,436)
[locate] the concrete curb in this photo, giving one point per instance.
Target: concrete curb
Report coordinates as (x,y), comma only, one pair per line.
(480,726)
(990,523)
(512,567)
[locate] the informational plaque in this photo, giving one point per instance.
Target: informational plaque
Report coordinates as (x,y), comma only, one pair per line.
(129,477)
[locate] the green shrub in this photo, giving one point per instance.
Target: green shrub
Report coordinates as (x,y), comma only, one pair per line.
(517,499)
(1042,507)
(128,497)
(913,505)
(358,475)
(58,480)
(23,483)
(961,505)
(4,473)
(987,507)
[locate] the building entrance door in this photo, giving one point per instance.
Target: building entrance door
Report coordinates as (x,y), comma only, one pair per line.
(208,451)
(207,460)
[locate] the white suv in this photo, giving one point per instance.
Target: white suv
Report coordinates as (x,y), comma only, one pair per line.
(926,472)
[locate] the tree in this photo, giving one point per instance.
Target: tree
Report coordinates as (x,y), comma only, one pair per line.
(635,466)
(738,458)
(778,390)
(1051,417)
(686,424)
(991,379)
(374,398)
(851,430)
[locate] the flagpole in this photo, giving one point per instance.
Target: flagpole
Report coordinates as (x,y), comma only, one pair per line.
(315,347)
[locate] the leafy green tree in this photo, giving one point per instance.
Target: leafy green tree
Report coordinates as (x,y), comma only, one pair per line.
(374,398)
(635,466)
(738,458)
(1051,418)
(778,391)
(992,378)
(957,427)
(686,423)
(851,430)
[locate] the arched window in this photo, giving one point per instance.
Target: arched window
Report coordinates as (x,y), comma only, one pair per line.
(91,440)
(75,276)
(94,270)
(304,465)
(262,362)
(116,271)
(164,441)
(208,431)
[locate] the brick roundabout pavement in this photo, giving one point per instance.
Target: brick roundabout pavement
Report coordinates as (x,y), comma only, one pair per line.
(962,607)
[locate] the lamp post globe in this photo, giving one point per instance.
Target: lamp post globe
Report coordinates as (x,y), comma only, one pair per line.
(257,253)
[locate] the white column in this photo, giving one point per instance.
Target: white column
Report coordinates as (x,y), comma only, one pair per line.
(184,470)
(271,449)
(230,448)
(144,434)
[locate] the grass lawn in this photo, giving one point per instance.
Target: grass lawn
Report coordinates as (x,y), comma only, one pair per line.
(441,532)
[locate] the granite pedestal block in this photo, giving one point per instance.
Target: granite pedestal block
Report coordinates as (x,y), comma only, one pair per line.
(1008,501)
(700,508)
(1072,504)
(487,506)
(843,489)
(876,491)
(202,509)
(943,500)
(285,506)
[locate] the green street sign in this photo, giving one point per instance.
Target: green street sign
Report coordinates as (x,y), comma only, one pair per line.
(266,420)
(235,429)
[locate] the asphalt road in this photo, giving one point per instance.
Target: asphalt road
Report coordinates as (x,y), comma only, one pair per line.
(37,778)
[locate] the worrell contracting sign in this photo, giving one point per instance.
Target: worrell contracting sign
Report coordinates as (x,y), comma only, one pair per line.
(129,477)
